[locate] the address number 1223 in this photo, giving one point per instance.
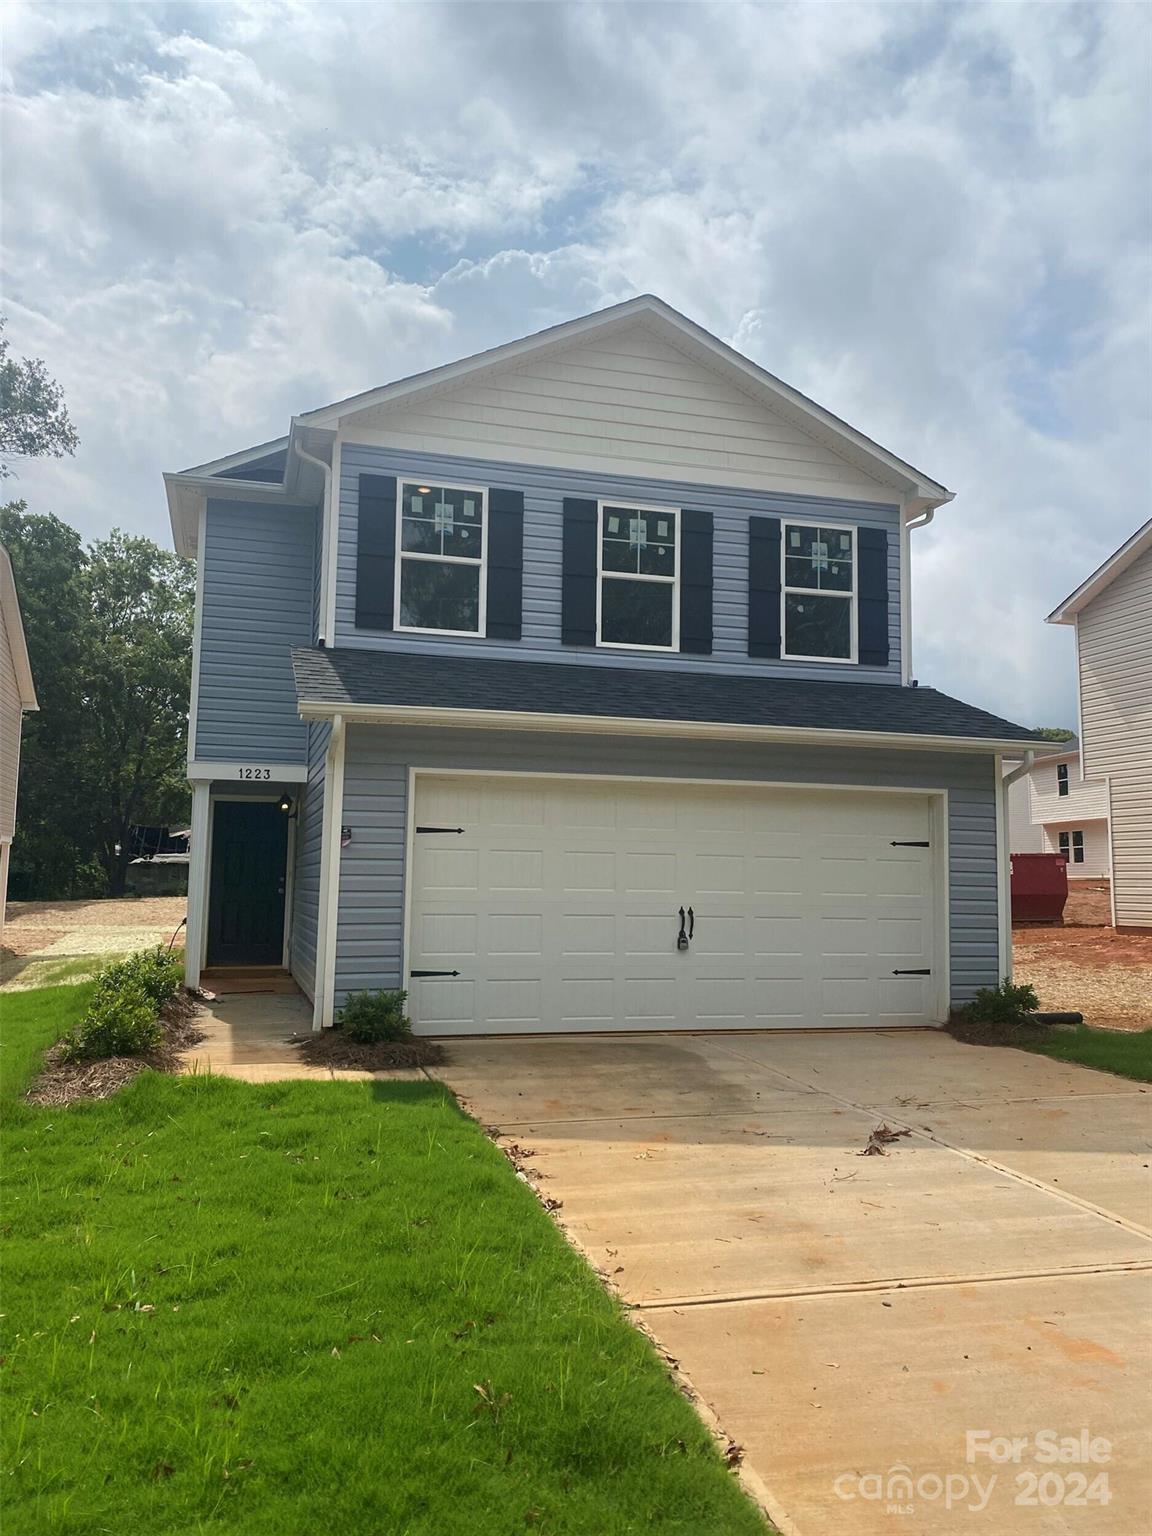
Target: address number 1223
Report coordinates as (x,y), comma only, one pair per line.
(253,773)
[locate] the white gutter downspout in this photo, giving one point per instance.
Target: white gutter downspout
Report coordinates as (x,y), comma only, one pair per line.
(1004,858)
(326,469)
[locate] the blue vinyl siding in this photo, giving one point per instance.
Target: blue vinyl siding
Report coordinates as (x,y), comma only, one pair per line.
(258,600)
(370,930)
(544,492)
(306,885)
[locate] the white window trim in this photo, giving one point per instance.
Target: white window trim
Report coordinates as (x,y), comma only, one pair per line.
(602,575)
(407,554)
(851,597)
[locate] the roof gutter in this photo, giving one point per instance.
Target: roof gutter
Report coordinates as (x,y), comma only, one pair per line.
(615,725)
(1021,768)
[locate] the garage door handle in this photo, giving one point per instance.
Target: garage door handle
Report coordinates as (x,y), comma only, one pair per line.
(440,829)
(691,923)
(891,845)
(433,973)
(906,973)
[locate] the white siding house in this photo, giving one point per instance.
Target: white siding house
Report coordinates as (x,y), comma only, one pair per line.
(1112,615)
(1053,809)
(16,695)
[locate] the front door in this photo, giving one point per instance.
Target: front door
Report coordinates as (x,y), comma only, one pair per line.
(249,867)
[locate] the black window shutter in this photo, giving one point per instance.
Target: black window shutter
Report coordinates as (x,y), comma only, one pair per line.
(505,564)
(578,598)
(376,552)
(764,587)
(872,597)
(696,582)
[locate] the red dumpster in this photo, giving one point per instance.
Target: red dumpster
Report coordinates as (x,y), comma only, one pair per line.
(1039,887)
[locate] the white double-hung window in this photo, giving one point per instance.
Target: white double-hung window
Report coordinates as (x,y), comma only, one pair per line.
(440,558)
(818,592)
(637,578)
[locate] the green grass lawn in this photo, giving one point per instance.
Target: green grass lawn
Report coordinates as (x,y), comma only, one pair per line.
(1128,1053)
(312,1308)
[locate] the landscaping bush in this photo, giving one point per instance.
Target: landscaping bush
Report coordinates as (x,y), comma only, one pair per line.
(122,1017)
(156,970)
(371,1017)
(121,1021)
(1003,1004)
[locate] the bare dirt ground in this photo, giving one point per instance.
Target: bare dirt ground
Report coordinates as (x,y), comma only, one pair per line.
(1085,965)
(53,941)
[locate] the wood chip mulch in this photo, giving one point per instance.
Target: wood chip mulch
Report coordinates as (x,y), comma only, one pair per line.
(333,1048)
(64,1082)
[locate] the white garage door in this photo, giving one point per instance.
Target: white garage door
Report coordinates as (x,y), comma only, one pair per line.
(557,904)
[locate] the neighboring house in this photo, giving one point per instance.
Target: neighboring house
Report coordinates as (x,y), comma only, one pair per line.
(16,695)
(569,688)
(1112,615)
(1051,809)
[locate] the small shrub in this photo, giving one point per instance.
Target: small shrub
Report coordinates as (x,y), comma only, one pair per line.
(370,1017)
(1003,1004)
(121,1021)
(159,973)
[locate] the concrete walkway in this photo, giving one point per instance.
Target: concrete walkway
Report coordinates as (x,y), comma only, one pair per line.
(249,1035)
(844,1315)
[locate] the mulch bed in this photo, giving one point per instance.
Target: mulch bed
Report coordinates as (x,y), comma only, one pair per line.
(333,1048)
(982,1032)
(64,1082)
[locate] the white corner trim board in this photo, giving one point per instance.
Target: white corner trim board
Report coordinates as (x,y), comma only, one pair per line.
(328,916)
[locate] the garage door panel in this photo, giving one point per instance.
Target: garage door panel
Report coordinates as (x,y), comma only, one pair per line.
(559,903)
(777,874)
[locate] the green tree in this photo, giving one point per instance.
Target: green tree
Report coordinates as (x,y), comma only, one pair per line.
(109,632)
(34,421)
(1054,733)
(137,679)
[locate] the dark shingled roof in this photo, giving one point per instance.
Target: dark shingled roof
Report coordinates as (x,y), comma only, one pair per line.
(341,679)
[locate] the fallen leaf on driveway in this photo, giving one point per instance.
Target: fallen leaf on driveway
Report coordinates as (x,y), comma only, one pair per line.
(881,1138)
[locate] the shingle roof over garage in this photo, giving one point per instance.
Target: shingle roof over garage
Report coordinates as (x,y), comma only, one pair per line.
(351,681)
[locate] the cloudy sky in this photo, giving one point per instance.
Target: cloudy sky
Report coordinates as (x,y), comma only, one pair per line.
(933,219)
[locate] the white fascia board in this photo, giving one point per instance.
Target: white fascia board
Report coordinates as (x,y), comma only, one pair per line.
(238,460)
(612,725)
(1103,576)
(746,375)
(187,493)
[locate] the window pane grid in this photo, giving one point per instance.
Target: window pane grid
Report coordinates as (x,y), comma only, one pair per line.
(637,577)
(818,592)
(440,558)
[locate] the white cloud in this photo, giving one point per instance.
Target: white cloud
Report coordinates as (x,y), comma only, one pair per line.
(923,216)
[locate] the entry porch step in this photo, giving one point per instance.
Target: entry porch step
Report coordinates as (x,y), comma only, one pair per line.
(224,979)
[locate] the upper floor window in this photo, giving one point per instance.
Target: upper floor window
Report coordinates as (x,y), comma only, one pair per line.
(1061,778)
(440,559)
(818,592)
(637,578)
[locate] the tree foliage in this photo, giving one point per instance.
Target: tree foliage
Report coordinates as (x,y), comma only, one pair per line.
(109,630)
(1054,733)
(34,421)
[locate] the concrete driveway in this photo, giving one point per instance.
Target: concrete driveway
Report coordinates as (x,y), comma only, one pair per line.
(849,1319)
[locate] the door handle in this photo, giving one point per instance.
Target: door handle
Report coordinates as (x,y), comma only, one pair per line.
(691,923)
(681,937)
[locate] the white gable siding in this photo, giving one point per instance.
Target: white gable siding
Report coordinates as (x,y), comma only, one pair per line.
(10,721)
(1114,643)
(1086,798)
(629,402)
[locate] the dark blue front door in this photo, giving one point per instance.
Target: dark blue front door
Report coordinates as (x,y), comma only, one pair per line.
(249,868)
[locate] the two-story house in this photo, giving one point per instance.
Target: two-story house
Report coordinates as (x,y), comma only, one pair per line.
(569,687)
(1054,809)
(1112,615)
(17,694)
